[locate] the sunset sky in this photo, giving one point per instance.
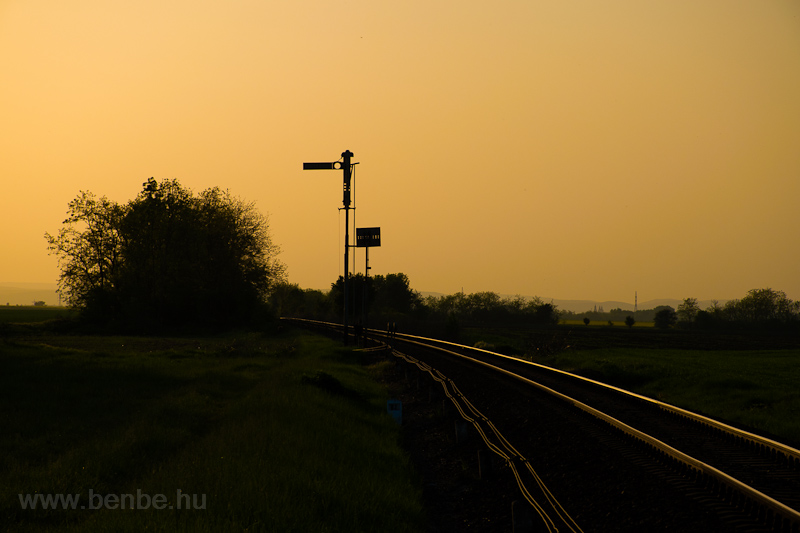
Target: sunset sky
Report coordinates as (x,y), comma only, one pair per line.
(565,149)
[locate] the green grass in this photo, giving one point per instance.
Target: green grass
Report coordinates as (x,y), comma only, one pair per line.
(755,389)
(28,314)
(234,418)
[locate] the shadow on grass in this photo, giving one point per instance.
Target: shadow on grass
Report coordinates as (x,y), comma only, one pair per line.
(331,385)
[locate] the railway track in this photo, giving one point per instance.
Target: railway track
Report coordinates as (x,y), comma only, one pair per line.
(745,481)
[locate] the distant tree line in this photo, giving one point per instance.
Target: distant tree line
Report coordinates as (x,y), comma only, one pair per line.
(384,298)
(170,258)
(760,309)
(167,258)
(387,297)
(390,298)
(615,315)
(764,309)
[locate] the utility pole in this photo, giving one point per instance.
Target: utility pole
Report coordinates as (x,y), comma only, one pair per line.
(347,168)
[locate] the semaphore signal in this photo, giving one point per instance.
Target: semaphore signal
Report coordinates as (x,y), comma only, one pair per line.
(347,169)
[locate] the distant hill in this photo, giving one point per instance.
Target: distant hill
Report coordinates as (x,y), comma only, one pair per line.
(27,293)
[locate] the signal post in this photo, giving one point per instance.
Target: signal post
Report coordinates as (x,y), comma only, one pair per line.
(347,169)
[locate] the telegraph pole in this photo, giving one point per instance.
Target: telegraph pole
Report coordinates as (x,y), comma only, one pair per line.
(347,168)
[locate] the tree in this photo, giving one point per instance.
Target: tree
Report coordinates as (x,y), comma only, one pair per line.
(546,314)
(586,320)
(357,285)
(665,317)
(629,321)
(166,258)
(687,311)
(389,297)
(705,320)
(289,300)
(489,308)
(89,249)
(765,306)
(393,293)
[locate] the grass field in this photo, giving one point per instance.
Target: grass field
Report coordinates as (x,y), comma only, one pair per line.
(755,389)
(282,433)
(28,314)
(716,374)
(598,323)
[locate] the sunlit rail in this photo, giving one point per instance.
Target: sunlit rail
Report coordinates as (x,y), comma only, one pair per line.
(773,512)
(546,505)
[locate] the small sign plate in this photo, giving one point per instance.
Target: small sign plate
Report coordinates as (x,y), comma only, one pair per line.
(395,408)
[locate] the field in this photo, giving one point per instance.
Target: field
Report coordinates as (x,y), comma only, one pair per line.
(245,432)
(26,314)
(752,389)
(598,323)
(287,431)
(748,380)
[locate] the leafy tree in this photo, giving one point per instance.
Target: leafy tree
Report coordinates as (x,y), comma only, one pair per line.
(546,314)
(290,300)
(586,320)
(763,306)
(89,250)
(629,321)
(687,311)
(394,293)
(491,308)
(357,284)
(166,258)
(287,300)
(389,297)
(714,308)
(705,320)
(665,317)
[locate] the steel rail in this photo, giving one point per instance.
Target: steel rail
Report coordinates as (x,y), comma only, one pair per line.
(505,450)
(791,454)
(709,472)
(701,468)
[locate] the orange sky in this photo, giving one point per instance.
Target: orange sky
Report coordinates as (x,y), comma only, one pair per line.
(566,149)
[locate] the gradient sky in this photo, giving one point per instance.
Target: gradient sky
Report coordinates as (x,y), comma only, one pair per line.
(566,149)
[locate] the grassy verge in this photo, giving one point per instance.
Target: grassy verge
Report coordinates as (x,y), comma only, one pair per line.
(257,434)
(755,389)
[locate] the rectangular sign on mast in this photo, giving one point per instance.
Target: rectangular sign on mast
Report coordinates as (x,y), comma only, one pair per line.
(368,237)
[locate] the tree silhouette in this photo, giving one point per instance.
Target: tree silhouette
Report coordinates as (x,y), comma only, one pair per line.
(687,310)
(665,317)
(167,258)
